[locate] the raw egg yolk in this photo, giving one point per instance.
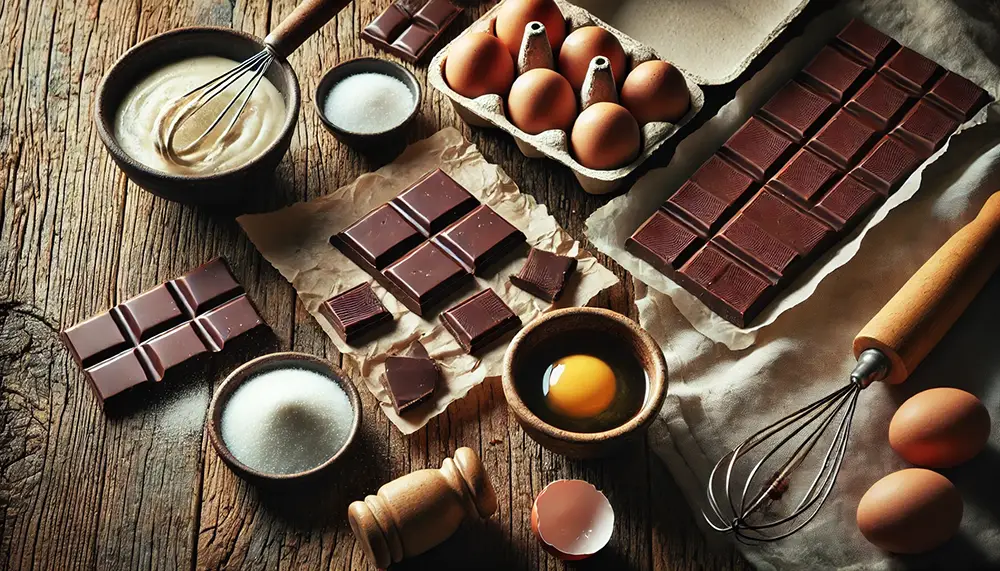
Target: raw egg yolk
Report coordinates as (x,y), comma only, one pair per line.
(579,386)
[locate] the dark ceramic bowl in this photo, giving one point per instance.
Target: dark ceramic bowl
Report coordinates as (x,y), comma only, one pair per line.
(599,322)
(367,141)
(228,188)
(267,363)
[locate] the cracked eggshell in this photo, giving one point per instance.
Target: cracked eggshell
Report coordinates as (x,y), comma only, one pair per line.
(572,519)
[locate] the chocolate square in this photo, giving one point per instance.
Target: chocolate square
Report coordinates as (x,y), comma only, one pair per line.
(380,238)
(414,41)
(843,139)
(435,202)
(150,313)
(758,149)
(958,95)
(729,288)
(912,71)
(926,126)
(833,74)
(388,24)
(480,238)
(116,375)
(697,206)
(228,321)
(172,348)
(846,203)
(796,111)
(410,380)
(722,179)
(206,285)
(865,44)
(879,103)
(94,340)
(425,276)
(804,178)
(355,312)
(436,14)
(887,165)
(480,320)
(663,242)
(544,274)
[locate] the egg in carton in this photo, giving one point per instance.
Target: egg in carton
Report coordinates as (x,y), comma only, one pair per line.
(489,110)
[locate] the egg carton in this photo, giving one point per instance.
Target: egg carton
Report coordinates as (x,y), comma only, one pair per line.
(488,110)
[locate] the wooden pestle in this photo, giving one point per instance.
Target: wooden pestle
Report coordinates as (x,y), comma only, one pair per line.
(415,512)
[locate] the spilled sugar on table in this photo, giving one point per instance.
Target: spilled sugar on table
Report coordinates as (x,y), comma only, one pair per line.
(142,488)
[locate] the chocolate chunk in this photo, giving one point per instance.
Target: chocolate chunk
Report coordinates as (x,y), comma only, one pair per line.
(435,202)
(846,203)
(758,149)
(843,139)
(146,336)
(410,380)
(409,35)
(926,126)
(729,288)
(796,111)
(912,71)
(355,312)
(887,165)
(380,238)
(480,320)
(425,276)
(804,178)
(833,74)
(545,274)
(958,96)
(663,242)
(865,44)
(479,239)
(879,102)
(436,14)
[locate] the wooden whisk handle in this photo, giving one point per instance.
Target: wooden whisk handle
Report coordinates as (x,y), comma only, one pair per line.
(305,20)
(909,326)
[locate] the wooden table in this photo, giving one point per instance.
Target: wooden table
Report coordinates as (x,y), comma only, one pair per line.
(145,490)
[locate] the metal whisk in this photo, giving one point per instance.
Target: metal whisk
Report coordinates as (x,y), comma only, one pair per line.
(758,478)
(304,21)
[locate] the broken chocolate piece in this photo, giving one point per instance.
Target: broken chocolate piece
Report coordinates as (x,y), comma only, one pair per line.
(410,380)
(355,312)
(480,320)
(545,274)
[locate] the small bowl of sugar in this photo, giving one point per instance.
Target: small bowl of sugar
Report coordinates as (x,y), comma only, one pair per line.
(284,417)
(367,102)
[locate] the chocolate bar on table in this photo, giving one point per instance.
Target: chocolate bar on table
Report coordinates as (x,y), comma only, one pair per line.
(426,243)
(142,338)
(828,147)
(408,29)
(480,320)
(355,312)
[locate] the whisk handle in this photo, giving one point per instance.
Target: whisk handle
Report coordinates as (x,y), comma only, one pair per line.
(305,20)
(908,327)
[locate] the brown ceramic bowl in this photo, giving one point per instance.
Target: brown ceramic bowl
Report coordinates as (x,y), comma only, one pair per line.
(366,141)
(267,363)
(229,188)
(601,322)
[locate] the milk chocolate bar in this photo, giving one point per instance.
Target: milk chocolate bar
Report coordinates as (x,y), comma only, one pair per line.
(824,151)
(480,320)
(408,32)
(144,337)
(355,312)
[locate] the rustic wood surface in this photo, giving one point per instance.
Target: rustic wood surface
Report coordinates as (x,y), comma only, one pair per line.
(142,488)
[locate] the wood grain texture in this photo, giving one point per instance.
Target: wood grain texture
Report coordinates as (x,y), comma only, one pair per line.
(141,488)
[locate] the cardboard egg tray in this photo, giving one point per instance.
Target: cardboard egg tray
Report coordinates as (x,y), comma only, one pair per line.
(488,110)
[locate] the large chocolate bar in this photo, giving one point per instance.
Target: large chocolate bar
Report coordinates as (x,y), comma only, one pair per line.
(407,29)
(823,152)
(144,337)
(427,242)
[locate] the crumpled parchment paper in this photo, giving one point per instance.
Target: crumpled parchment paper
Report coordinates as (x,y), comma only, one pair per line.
(295,240)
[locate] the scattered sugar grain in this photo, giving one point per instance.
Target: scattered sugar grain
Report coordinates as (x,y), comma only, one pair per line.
(286,420)
(368,103)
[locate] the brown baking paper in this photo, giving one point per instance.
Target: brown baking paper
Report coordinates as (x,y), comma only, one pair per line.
(295,240)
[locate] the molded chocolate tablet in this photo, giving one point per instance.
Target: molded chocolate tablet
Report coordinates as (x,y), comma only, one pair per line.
(228,321)
(206,285)
(697,206)
(95,340)
(388,24)
(480,320)
(434,202)
(663,242)
(410,380)
(116,375)
(843,139)
(436,14)
(425,276)
(879,102)
(150,313)
(865,44)
(804,178)
(912,71)
(171,348)
(355,312)
(847,203)
(729,288)
(545,274)
(887,165)
(958,95)
(758,149)
(480,238)
(380,238)
(833,74)
(927,126)
(796,110)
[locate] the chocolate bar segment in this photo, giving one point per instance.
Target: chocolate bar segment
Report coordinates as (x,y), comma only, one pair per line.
(729,288)
(865,44)
(425,276)
(206,285)
(95,340)
(480,320)
(545,274)
(912,71)
(409,35)
(355,312)
(388,25)
(926,126)
(879,103)
(758,149)
(435,202)
(796,111)
(843,139)
(169,349)
(436,14)
(410,380)
(714,192)
(116,375)
(380,238)
(697,206)
(663,242)
(479,239)
(846,203)
(887,165)
(228,321)
(958,96)
(804,178)
(833,74)
(150,313)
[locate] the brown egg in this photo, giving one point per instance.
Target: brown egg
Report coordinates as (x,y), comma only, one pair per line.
(605,136)
(540,100)
(910,511)
(583,45)
(478,64)
(940,428)
(656,91)
(514,15)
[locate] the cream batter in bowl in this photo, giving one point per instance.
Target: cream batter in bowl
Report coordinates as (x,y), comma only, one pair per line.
(237,173)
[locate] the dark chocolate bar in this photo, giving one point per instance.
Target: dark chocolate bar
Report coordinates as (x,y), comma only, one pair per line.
(480,320)
(434,202)
(828,147)
(410,380)
(409,35)
(355,312)
(144,337)
(545,274)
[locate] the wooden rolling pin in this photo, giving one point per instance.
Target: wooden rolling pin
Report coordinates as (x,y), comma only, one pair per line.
(415,512)
(898,338)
